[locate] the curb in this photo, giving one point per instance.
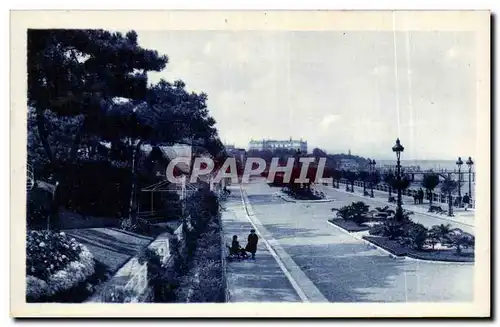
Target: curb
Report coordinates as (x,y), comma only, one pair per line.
(369,244)
(288,199)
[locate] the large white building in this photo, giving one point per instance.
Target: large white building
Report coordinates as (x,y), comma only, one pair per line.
(272,145)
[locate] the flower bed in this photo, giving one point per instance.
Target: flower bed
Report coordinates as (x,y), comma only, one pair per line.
(54,264)
(398,249)
(303,194)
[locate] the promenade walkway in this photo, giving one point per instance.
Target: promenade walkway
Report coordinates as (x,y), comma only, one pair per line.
(259,280)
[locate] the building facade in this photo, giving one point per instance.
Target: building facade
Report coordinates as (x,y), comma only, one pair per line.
(273,145)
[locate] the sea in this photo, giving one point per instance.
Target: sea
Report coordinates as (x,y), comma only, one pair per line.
(436,165)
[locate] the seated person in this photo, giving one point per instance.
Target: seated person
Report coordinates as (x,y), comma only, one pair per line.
(236,248)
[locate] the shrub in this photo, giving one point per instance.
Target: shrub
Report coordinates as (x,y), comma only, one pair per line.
(417,235)
(359,211)
(345,212)
(393,229)
(377,230)
(127,225)
(55,263)
(459,239)
(356,212)
(432,239)
(48,252)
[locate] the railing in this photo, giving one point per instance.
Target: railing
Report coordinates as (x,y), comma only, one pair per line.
(436,197)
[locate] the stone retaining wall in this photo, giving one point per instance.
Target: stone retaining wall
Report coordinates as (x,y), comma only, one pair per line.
(133,276)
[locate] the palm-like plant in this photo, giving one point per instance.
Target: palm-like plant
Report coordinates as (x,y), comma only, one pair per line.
(448,187)
(440,233)
(429,182)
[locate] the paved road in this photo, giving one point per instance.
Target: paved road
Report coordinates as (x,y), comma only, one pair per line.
(343,268)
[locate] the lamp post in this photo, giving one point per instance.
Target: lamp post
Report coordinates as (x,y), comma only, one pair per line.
(398,148)
(470,163)
(372,164)
(459,164)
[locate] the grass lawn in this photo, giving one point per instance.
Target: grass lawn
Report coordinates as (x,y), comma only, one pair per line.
(110,246)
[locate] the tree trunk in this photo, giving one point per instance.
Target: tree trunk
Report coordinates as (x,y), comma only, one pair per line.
(390,192)
(132,202)
(44,135)
(430,198)
(450,205)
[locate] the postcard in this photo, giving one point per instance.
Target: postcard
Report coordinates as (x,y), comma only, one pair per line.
(250,164)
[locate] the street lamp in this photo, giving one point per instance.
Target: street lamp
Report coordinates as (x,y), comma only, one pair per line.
(459,164)
(372,164)
(398,148)
(470,163)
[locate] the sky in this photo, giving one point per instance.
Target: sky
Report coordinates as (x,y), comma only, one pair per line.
(337,90)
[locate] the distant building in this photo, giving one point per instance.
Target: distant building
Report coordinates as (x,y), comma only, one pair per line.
(273,145)
(349,164)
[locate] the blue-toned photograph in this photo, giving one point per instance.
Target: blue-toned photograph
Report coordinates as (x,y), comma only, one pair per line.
(251,166)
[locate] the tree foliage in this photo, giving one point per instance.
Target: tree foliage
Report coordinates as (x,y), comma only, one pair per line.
(449,186)
(89,99)
(79,72)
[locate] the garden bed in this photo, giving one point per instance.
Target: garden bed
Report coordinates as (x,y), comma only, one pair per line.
(349,225)
(59,269)
(399,250)
(304,194)
(204,282)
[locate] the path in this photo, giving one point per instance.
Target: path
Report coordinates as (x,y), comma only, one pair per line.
(259,280)
(346,269)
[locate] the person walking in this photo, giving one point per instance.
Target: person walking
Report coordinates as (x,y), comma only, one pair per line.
(253,239)
(466,200)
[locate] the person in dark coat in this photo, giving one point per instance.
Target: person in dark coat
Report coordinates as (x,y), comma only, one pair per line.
(253,239)
(466,200)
